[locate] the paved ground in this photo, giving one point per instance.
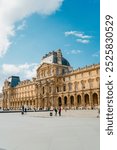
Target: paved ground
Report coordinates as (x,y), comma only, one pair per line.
(74,130)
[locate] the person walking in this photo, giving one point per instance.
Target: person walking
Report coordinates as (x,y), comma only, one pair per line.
(55,111)
(59,111)
(22,110)
(25,110)
(98,113)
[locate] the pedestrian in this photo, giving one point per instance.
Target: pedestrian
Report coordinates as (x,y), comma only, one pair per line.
(59,111)
(22,110)
(51,112)
(55,111)
(98,113)
(25,110)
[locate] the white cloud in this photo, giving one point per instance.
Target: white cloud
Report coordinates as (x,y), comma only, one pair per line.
(15,11)
(77,34)
(82,41)
(31,72)
(26,70)
(9,69)
(74,52)
(22,26)
(82,38)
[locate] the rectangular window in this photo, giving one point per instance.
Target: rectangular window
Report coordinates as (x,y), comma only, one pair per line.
(63,71)
(70,87)
(57,89)
(64,88)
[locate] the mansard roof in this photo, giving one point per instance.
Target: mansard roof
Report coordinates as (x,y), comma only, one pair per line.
(14,81)
(54,57)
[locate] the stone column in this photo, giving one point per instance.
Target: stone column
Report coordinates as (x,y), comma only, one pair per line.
(8,103)
(75,101)
(53,101)
(36,96)
(62,99)
(82,100)
(67,87)
(36,102)
(39,102)
(90,99)
(15,104)
(98,98)
(74,86)
(69,105)
(45,103)
(48,100)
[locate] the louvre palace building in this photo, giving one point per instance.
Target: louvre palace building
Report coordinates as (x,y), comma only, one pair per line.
(56,84)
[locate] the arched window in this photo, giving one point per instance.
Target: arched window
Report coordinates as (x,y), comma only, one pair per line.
(59,101)
(95,99)
(86,99)
(65,101)
(79,100)
(72,100)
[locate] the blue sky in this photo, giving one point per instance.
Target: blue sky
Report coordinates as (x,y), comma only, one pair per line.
(71,25)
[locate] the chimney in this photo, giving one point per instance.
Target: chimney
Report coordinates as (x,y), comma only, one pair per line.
(59,56)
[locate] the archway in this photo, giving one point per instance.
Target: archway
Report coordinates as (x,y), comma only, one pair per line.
(72,100)
(86,99)
(65,101)
(30,103)
(59,101)
(33,102)
(95,99)
(78,100)
(42,103)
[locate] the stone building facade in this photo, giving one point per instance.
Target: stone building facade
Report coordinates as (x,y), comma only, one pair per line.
(56,84)
(1,100)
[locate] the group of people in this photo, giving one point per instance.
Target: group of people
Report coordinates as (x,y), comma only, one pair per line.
(57,111)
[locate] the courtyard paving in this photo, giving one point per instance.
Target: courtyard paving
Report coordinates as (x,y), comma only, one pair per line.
(74,130)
